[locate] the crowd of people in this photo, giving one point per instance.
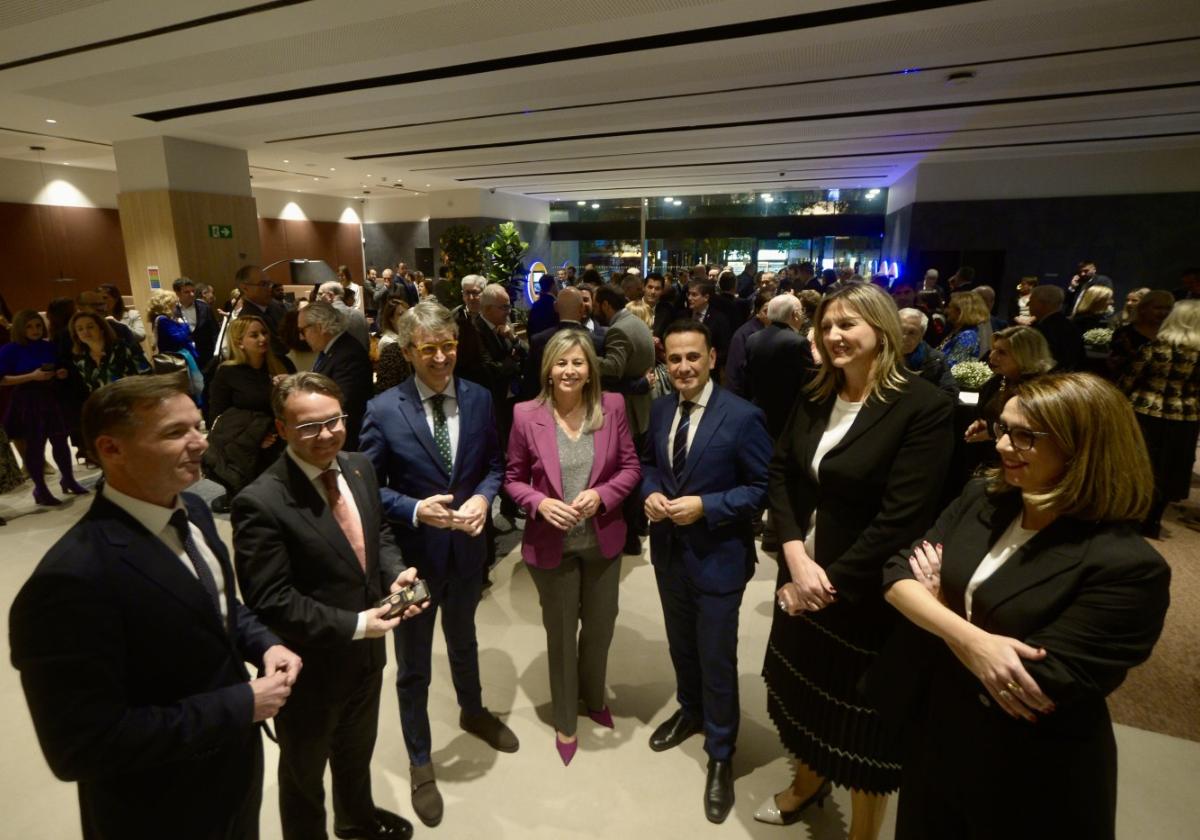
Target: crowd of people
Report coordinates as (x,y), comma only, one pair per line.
(949,631)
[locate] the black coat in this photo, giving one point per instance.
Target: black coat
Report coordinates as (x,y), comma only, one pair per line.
(137,691)
(204,334)
(1065,340)
(1094,596)
(778,363)
(347,363)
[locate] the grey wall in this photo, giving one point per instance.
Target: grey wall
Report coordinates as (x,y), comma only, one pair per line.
(388,243)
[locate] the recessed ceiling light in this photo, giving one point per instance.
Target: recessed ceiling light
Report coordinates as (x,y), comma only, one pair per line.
(52,122)
(368,174)
(66,163)
(595,206)
(331,169)
(427,185)
(767,197)
(581,203)
(316,179)
(677,202)
(668,199)
(287,161)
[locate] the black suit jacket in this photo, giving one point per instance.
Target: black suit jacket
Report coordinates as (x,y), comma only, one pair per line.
(722,332)
(1065,340)
(204,334)
(879,487)
(1094,595)
(138,692)
(300,575)
(778,364)
(347,363)
(499,367)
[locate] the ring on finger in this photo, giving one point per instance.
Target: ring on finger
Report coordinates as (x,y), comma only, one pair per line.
(1004,692)
(1013,687)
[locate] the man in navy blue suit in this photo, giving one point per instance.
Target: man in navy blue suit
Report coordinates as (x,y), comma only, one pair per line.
(704,481)
(130,639)
(434,445)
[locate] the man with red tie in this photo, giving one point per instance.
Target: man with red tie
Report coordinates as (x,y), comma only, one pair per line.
(313,560)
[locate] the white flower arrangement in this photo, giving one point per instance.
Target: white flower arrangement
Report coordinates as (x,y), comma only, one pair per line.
(1098,338)
(970,376)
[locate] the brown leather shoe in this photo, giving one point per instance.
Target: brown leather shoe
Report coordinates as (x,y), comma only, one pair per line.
(426,798)
(491,729)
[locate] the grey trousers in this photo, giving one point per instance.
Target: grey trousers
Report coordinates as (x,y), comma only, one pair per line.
(579,611)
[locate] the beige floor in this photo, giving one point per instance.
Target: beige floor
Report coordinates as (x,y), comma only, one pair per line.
(615,788)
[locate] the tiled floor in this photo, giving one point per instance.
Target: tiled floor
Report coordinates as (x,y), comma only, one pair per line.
(615,788)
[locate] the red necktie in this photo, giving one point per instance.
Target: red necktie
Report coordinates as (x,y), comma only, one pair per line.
(345,518)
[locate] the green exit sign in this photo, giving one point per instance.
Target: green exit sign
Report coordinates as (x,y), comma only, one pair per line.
(220,231)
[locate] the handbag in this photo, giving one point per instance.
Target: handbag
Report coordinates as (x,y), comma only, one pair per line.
(161,363)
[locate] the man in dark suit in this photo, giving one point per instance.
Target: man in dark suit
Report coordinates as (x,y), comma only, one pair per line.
(313,561)
(342,359)
(434,445)
(653,293)
(704,482)
(257,299)
(735,368)
(569,308)
(700,294)
(543,315)
(130,639)
(778,362)
(502,354)
(200,319)
(470,342)
(1060,332)
(1085,277)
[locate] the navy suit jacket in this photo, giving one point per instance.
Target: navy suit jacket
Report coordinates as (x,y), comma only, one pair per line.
(397,439)
(727,467)
(542,315)
(138,692)
(348,363)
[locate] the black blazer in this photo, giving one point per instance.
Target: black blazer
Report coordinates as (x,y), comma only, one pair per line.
(1094,595)
(722,332)
(137,690)
(348,364)
(778,364)
(204,334)
(299,574)
(1065,340)
(878,489)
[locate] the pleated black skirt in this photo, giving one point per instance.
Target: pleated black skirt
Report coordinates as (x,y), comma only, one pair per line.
(813,669)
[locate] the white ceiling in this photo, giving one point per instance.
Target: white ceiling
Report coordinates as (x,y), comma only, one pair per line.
(706,101)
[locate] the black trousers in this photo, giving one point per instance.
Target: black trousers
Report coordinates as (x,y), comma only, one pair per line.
(319,724)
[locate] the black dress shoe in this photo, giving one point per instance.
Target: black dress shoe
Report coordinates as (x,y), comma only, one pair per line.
(385,826)
(718,790)
(221,504)
(674,731)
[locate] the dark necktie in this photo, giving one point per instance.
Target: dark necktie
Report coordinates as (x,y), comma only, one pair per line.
(680,449)
(319,362)
(441,432)
(179,522)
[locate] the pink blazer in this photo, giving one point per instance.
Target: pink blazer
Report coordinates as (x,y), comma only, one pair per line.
(534,473)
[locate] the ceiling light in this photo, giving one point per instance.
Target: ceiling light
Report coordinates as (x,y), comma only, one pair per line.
(331,169)
(767,197)
(368,174)
(52,122)
(287,161)
(427,185)
(66,163)
(668,199)
(595,206)
(316,179)
(581,203)
(677,202)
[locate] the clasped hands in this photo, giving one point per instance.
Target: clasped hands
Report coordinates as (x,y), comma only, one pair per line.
(681,511)
(470,517)
(565,516)
(809,590)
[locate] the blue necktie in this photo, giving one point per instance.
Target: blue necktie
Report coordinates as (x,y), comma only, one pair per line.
(680,449)
(319,362)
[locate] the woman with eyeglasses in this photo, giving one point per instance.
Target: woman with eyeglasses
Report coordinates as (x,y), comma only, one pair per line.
(1036,596)
(242,439)
(571,462)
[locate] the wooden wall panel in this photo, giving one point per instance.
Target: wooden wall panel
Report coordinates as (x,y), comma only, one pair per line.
(336,243)
(208,260)
(149,234)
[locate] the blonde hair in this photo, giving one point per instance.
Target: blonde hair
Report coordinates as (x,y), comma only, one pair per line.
(1182,326)
(558,346)
(1108,476)
(237,356)
(874,306)
(1095,300)
(972,309)
(642,310)
(1029,349)
(162,302)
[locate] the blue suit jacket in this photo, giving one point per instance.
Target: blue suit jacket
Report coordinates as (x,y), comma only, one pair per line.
(137,690)
(397,439)
(727,467)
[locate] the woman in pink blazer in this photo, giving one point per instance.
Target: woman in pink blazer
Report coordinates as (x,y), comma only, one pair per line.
(571,462)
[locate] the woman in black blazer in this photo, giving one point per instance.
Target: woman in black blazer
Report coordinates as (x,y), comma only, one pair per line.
(856,477)
(1044,596)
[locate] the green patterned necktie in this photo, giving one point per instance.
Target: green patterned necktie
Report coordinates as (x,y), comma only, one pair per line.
(441,432)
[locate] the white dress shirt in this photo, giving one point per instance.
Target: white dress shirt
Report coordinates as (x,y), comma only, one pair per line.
(1012,539)
(157,520)
(450,409)
(313,473)
(694,418)
(189,315)
(841,418)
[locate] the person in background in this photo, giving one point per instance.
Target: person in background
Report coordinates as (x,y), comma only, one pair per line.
(391,368)
(1086,276)
(30,363)
(96,302)
(332,292)
(470,342)
(256,299)
(929,301)
(778,362)
(1060,332)
(1127,313)
(904,294)
(571,464)
(173,335)
(856,476)
(1189,284)
(542,314)
(1034,597)
(735,371)
(988,294)
(653,295)
(919,357)
(1093,308)
(1019,313)
(114,304)
(244,382)
(1163,383)
(970,329)
(346,280)
(99,357)
(700,294)
(201,320)
(1152,309)
(301,355)
(341,358)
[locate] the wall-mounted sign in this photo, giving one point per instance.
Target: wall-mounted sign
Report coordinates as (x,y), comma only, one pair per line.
(536,270)
(220,231)
(152,276)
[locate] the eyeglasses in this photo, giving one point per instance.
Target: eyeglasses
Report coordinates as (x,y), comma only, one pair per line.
(308,431)
(428,351)
(1022,439)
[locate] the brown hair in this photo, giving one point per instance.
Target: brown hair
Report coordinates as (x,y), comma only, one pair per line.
(106,332)
(1108,476)
(305,382)
(559,345)
(874,306)
(972,309)
(1029,349)
(21,320)
(1095,300)
(113,408)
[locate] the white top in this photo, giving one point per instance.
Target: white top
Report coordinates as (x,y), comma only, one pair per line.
(840,420)
(157,520)
(133,319)
(694,418)
(313,473)
(1012,539)
(189,315)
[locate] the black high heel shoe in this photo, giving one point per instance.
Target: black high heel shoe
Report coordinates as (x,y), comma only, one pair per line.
(73,488)
(45,498)
(769,812)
